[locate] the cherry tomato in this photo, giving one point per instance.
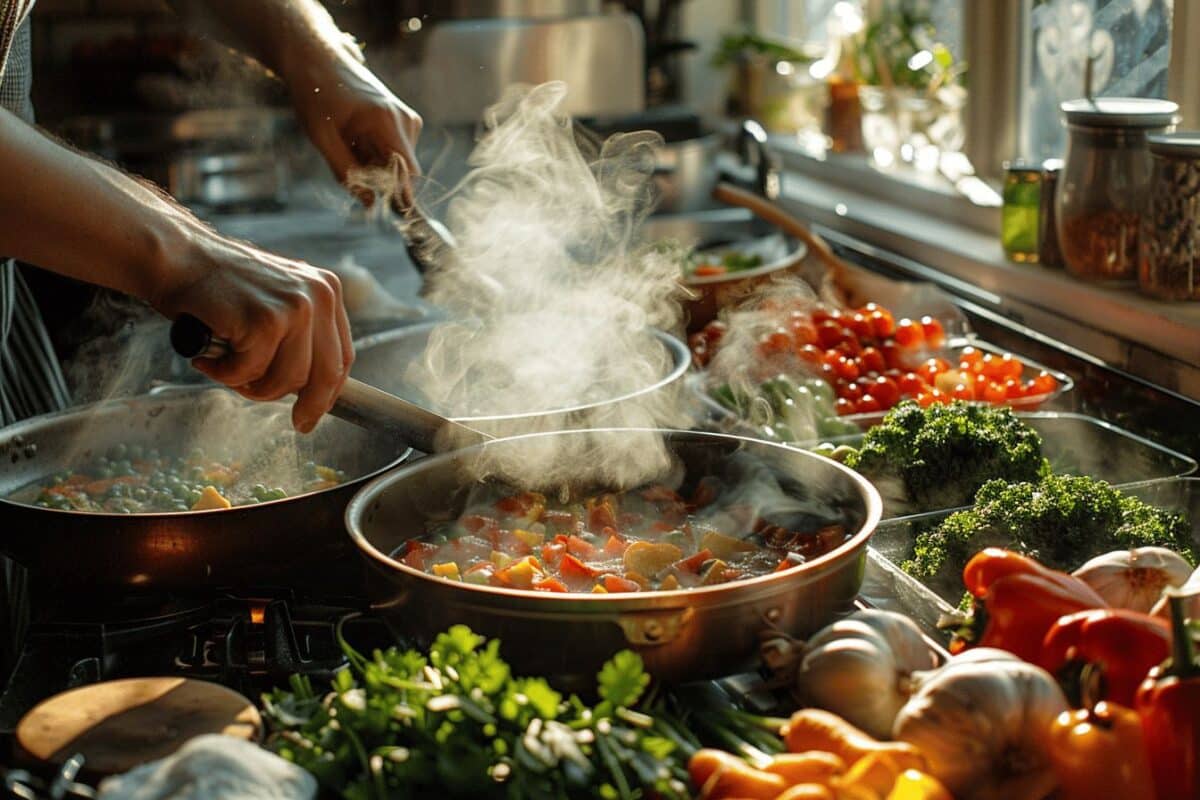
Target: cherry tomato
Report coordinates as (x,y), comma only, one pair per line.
(809,354)
(827,373)
(935,334)
(851,346)
(970,355)
(851,390)
(909,334)
(847,368)
(801,328)
(867,405)
(873,360)
(776,343)
(989,365)
(886,391)
(1010,366)
(821,315)
(843,407)
(929,397)
(993,392)
(883,323)
(860,324)
(1013,390)
(893,355)
(962,392)
(1043,384)
(830,334)
(911,384)
(931,368)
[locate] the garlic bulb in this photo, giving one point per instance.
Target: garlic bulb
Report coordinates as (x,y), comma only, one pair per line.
(861,668)
(1134,579)
(984,728)
(1190,587)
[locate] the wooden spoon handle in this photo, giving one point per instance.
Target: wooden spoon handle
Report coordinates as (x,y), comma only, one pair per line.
(770,212)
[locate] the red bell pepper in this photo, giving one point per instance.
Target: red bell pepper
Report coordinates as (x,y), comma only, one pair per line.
(1017,601)
(1168,702)
(1124,645)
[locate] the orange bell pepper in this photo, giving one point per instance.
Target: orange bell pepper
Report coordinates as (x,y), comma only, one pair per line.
(1099,752)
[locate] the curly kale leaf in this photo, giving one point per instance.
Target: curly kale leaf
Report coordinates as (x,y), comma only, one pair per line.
(943,454)
(1061,521)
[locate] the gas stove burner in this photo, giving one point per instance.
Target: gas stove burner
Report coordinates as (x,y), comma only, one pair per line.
(250,642)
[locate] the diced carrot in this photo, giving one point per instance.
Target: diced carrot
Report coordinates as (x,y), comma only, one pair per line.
(550,585)
(552,553)
(692,563)
(572,568)
(615,546)
(580,547)
(601,514)
(102,486)
(709,270)
(615,583)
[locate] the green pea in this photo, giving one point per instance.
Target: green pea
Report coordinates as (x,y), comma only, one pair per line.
(193,498)
(104,473)
(195,473)
(153,455)
(119,452)
(181,507)
(42,503)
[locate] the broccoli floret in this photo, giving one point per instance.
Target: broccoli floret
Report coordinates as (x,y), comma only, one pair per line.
(1061,521)
(941,455)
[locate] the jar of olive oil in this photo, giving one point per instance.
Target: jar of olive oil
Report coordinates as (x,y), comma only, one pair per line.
(1020,215)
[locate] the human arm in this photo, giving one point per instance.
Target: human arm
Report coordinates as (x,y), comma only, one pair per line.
(350,115)
(81,218)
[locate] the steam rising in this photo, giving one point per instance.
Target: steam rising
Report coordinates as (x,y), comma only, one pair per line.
(553,299)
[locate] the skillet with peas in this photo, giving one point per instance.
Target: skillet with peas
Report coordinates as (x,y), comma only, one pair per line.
(136,480)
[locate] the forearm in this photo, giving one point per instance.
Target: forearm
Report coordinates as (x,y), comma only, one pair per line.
(79,217)
(292,38)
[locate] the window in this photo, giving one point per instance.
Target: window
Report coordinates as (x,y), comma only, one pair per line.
(1128,42)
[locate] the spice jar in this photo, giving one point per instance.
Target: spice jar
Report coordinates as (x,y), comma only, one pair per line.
(1104,181)
(1169,240)
(1049,254)
(1019,216)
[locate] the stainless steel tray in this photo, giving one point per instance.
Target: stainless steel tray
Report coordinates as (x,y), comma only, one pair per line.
(892,541)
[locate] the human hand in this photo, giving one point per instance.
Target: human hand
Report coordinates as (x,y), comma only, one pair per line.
(356,122)
(284,320)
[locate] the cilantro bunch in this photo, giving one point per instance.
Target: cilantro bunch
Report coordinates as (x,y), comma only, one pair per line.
(456,722)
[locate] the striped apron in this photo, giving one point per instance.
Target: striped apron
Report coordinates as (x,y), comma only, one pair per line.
(31,381)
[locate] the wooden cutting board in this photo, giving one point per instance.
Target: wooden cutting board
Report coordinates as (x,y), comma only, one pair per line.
(118,725)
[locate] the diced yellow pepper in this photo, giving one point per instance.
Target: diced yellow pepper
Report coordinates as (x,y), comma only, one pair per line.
(210,498)
(669,583)
(501,560)
(915,785)
(598,589)
(522,574)
(447,570)
(529,538)
(327,474)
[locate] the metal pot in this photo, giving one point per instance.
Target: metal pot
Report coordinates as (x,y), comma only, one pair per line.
(679,634)
(380,360)
(296,542)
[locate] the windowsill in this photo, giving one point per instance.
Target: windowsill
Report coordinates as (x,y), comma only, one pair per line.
(949,241)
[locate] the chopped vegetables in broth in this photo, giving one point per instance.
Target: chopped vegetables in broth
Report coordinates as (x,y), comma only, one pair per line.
(134,480)
(647,540)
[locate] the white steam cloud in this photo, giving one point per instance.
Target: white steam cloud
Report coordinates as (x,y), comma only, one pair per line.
(553,301)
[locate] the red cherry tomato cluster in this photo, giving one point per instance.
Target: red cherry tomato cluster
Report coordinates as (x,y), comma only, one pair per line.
(873,360)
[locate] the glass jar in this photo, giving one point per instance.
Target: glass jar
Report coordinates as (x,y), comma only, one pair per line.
(1103,185)
(1019,216)
(1169,240)
(1048,253)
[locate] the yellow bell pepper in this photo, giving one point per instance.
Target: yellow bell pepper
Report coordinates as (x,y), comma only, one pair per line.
(914,785)
(447,570)
(210,499)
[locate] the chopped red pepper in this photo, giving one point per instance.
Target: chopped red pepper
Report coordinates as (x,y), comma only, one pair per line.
(615,583)
(550,585)
(1124,644)
(615,546)
(601,513)
(552,553)
(572,568)
(580,547)
(474,523)
(415,553)
(692,563)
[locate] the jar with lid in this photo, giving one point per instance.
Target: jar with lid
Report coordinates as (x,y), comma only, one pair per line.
(1104,181)
(1169,240)
(1019,215)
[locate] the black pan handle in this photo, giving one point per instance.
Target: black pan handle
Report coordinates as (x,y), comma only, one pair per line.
(191,338)
(752,144)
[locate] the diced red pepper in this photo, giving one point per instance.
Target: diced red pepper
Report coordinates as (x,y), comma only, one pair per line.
(474,523)
(580,547)
(550,585)
(559,520)
(615,584)
(528,505)
(615,546)
(416,553)
(552,553)
(692,563)
(513,545)
(572,568)
(601,513)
